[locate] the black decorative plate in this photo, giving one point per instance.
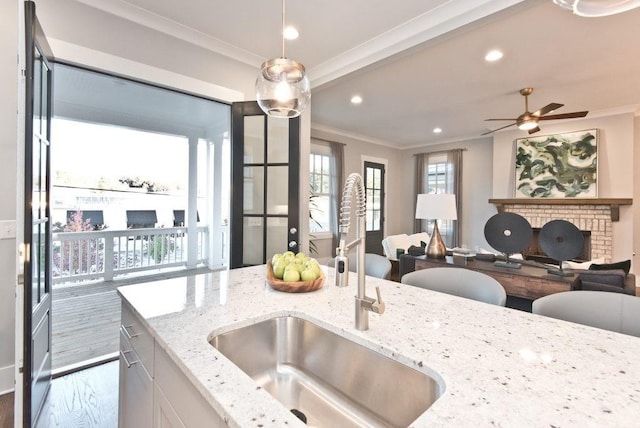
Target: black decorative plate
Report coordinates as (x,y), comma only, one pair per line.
(508,232)
(561,240)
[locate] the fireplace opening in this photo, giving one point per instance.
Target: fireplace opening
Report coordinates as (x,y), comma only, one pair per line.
(534,251)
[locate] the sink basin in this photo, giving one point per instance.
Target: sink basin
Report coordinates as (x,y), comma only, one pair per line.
(331,380)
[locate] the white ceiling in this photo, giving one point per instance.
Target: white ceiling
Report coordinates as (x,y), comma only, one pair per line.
(419,64)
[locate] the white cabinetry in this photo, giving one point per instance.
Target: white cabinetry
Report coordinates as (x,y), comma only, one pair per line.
(153,390)
(135,401)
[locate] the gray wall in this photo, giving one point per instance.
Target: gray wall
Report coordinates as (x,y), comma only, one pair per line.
(355,152)
(477,178)
(615,168)
(8,173)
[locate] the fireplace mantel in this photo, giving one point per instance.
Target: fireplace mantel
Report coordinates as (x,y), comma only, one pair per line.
(614,203)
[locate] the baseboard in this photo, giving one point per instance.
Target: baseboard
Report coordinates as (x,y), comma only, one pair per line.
(7,379)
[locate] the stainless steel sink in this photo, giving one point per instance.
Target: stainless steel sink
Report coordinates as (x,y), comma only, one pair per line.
(333,381)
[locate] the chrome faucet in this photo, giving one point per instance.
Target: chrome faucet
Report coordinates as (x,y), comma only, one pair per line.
(364,304)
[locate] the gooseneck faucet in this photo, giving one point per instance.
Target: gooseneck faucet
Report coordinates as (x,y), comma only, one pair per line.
(354,187)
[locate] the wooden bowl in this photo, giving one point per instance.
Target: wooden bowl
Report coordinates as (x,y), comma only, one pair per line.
(293,287)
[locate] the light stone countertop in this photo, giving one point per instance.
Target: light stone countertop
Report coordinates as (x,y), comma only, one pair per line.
(499,367)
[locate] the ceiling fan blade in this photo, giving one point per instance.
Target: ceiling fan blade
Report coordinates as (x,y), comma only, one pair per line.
(514,119)
(547,109)
(564,115)
(497,129)
(534,130)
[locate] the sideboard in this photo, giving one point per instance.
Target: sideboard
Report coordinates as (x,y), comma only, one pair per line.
(529,281)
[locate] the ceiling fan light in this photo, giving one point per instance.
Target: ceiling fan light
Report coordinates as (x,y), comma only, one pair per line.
(282,88)
(527,124)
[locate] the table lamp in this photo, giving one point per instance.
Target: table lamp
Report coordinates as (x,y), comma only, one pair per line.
(436,206)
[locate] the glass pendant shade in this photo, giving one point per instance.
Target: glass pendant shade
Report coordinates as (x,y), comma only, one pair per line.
(282,88)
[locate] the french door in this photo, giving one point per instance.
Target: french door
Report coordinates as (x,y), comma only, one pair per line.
(37,224)
(265,168)
(374,186)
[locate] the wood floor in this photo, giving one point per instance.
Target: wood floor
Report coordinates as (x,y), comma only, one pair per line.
(86,319)
(6,410)
(86,322)
(87,398)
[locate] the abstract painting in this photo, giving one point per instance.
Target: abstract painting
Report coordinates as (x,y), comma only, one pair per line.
(557,166)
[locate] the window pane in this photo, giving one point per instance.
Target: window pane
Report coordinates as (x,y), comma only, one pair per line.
(277,140)
(277,190)
(252,236)
(253,139)
(253,189)
(276,235)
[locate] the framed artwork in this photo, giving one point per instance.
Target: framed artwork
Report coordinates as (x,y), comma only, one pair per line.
(557,166)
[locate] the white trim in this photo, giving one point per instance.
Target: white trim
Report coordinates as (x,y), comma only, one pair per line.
(342,133)
(431,24)
(164,25)
(124,67)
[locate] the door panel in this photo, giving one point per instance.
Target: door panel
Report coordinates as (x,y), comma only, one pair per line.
(265,185)
(374,186)
(37,227)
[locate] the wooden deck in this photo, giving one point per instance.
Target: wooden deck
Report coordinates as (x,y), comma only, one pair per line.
(86,323)
(86,320)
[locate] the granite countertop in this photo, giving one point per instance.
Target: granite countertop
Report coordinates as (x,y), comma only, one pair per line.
(499,367)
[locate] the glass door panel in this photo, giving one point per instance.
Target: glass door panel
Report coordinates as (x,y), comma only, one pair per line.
(265,159)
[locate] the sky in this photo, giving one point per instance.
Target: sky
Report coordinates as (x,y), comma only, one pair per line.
(94,150)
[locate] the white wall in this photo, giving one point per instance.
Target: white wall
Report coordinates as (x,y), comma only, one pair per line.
(8,173)
(615,167)
(477,176)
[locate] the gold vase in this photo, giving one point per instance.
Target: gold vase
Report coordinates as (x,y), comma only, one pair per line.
(436,248)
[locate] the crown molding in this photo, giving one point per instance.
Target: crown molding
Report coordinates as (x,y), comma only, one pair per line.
(447,17)
(161,24)
(342,133)
(429,25)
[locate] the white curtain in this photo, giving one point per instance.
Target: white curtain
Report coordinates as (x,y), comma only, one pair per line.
(337,178)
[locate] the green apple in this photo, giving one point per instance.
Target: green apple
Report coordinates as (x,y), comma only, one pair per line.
(291,275)
(288,253)
(308,274)
(278,270)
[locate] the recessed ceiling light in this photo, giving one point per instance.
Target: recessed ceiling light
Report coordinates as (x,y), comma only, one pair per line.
(493,55)
(437,130)
(356,99)
(290,33)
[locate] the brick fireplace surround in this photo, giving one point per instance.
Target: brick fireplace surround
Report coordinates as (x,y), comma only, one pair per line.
(594,215)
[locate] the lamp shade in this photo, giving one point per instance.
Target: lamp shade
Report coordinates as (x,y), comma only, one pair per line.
(436,206)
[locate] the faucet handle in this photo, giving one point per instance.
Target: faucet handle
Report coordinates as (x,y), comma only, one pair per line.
(378,306)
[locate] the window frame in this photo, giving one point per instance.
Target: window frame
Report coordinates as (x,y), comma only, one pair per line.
(324,152)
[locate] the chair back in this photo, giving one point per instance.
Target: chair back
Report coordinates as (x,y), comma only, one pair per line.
(375,265)
(606,310)
(459,282)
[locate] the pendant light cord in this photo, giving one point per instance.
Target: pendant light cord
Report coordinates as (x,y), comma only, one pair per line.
(283,1)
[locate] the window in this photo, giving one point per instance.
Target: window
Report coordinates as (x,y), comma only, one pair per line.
(320,182)
(441,173)
(437,175)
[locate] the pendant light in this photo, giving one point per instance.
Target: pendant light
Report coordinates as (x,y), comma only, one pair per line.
(282,87)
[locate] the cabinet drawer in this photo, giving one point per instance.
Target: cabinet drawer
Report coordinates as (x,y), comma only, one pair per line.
(135,399)
(138,336)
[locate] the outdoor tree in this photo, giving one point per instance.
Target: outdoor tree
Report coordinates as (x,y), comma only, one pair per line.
(79,256)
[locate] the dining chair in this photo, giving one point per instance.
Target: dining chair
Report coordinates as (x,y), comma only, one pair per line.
(458,282)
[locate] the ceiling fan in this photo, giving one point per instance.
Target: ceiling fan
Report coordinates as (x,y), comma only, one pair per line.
(528,121)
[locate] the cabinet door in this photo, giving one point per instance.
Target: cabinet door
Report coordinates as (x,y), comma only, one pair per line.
(164,415)
(136,390)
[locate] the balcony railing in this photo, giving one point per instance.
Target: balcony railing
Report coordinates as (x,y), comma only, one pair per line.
(104,254)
